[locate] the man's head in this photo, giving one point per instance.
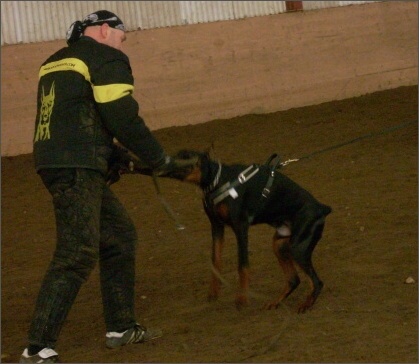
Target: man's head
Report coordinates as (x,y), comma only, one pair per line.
(103,26)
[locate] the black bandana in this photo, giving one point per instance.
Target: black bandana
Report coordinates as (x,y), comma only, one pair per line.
(97,18)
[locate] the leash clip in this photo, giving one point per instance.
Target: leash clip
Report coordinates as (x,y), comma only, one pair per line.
(289,161)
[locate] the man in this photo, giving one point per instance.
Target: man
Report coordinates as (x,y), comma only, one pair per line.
(85,101)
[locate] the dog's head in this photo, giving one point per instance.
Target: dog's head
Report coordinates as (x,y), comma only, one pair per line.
(188,166)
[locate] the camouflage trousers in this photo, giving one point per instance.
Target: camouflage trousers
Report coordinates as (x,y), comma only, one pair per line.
(92,225)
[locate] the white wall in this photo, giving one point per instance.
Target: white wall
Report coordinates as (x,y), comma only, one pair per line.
(218,70)
(39,21)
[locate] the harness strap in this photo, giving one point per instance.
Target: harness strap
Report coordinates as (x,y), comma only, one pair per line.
(251,170)
(223,193)
(267,190)
(216,179)
(228,189)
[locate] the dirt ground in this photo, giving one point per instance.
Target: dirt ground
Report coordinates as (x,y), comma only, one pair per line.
(366,312)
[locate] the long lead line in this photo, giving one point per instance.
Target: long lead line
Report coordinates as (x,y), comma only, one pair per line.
(370,135)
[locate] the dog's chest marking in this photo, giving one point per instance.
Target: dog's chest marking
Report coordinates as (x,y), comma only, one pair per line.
(194,177)
(222,211)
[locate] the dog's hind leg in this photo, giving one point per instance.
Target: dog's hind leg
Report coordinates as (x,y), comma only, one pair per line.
(217,231)
(281,248)
(301,251)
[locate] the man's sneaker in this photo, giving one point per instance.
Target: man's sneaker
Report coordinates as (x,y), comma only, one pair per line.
(46,355)
(138,334)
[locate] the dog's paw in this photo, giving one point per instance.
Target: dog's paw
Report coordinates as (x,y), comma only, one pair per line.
(303,308)
(271,305)
(212,297)
(241,301)
(307,305)
(214,290)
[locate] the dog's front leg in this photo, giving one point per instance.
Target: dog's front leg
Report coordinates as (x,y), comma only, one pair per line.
(241,231)
(217,230)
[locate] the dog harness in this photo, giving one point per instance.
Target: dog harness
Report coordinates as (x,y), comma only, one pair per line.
(215,181)
(229,188)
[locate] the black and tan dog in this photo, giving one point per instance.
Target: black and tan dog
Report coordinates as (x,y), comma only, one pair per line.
(243,195)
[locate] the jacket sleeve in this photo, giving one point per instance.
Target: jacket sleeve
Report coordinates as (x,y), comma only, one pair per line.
(122,119)
(113,89)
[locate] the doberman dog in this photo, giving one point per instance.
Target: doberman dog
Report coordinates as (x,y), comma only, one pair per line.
(243,195)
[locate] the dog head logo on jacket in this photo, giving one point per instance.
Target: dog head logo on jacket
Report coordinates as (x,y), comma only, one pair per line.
(47,100)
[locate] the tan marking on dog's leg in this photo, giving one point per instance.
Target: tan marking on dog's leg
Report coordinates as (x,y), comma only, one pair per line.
(244,280)
(311,297)
(279,246)
(309,302)
(305,263)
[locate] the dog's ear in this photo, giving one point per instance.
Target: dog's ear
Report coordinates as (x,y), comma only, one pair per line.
(210,152)
(187,158)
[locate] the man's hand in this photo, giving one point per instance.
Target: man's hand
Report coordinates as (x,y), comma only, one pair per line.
(120,162)
(166,167)
(177,168)
(123,162)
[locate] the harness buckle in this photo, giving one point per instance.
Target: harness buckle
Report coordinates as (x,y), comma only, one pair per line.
(243,177)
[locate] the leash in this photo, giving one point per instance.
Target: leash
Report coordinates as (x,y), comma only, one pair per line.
(166,205)
(336,146)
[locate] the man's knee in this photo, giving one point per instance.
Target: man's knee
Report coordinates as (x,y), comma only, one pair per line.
(77,264)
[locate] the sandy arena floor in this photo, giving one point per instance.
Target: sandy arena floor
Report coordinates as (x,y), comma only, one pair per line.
(366,312)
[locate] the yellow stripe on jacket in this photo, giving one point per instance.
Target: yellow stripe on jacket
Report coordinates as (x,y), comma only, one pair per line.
(103,93)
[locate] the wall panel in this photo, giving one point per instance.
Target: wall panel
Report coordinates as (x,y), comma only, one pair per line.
(216,70)
(40,21)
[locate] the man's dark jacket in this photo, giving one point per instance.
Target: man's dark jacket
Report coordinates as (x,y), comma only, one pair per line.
(84,102)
